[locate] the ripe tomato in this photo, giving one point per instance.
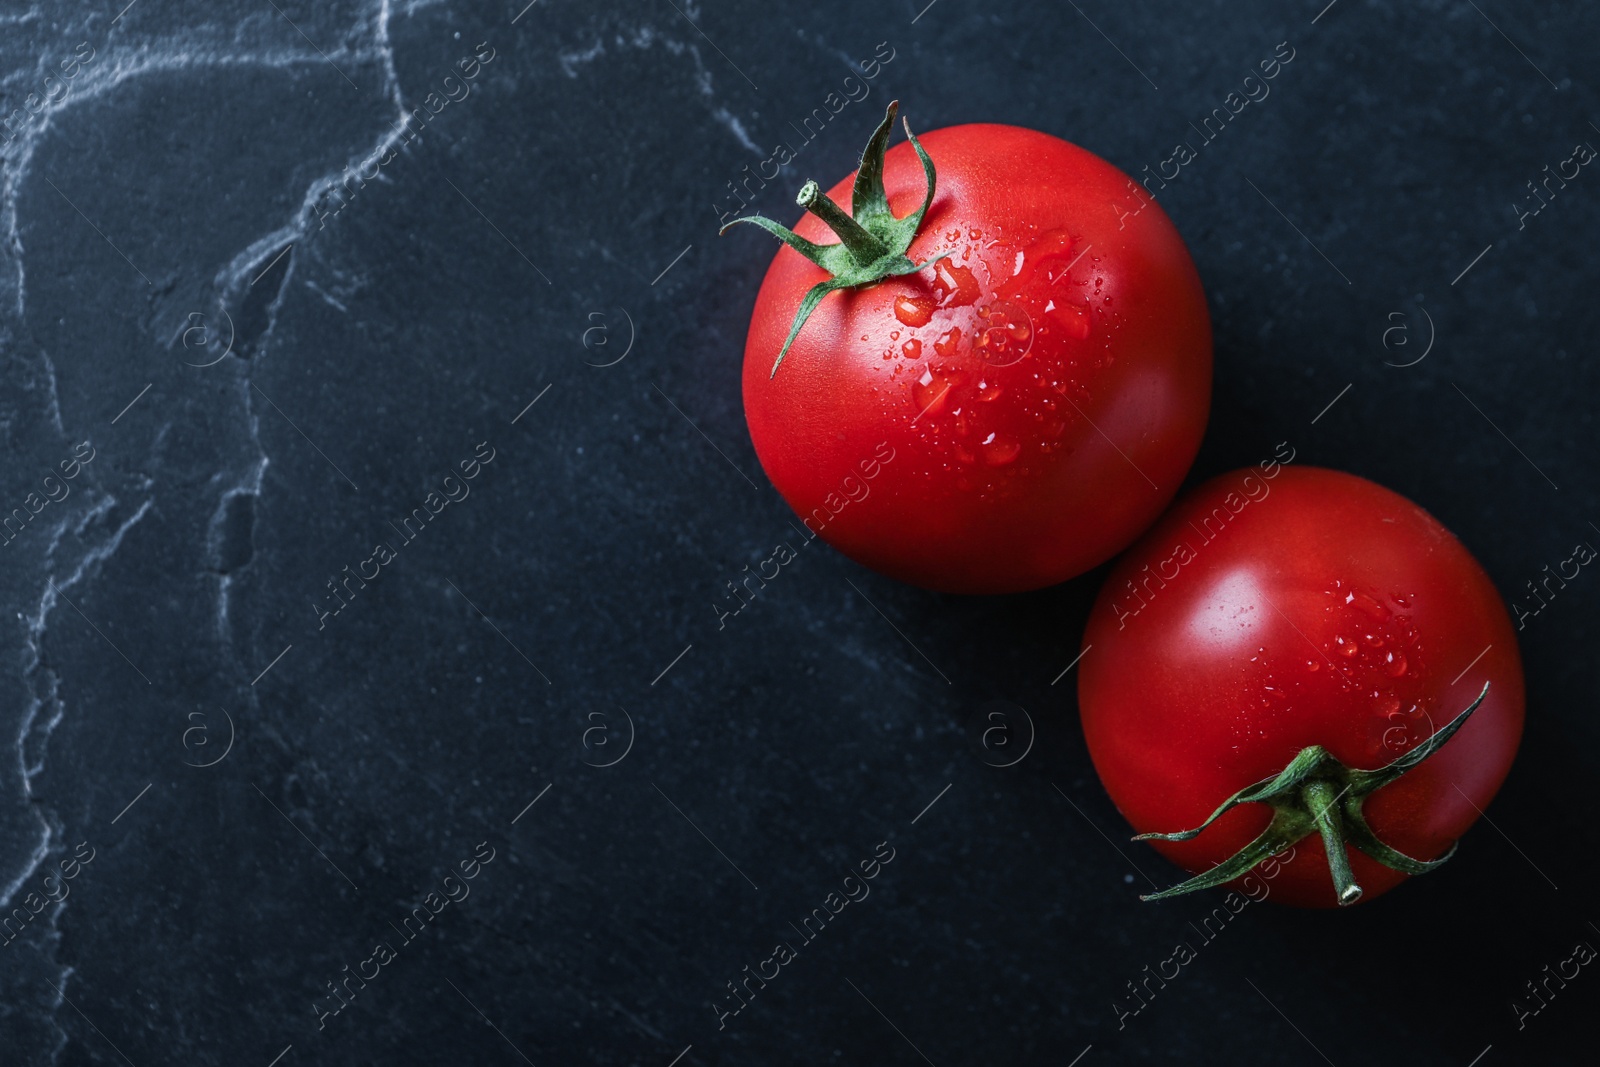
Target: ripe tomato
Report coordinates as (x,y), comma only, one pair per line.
(1279,608)
(1042,388)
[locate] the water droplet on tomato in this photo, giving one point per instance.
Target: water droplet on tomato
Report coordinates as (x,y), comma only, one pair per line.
(1004,334)
(1370,606)
(954,285)
(1074,321)
(912,349)
(999,450)
(931,391)
(947,342)
(913,310)
(1396,664)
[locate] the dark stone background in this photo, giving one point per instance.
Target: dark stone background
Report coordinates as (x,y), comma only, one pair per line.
(457,287)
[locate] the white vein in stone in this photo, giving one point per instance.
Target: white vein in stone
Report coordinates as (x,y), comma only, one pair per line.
(36,626)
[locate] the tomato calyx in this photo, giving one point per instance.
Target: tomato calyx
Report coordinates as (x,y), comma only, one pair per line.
(872,242)
(1316,793)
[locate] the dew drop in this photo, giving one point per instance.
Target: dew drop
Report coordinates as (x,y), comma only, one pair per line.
(913,310)
(931,390)
(1073,320)
(954,284)
(1371,607)
(999,450)
(1004,334)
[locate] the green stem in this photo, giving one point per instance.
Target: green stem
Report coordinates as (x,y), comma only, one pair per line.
(864,248)
(1322,801)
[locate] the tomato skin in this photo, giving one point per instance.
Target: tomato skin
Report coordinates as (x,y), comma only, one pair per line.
(1004,476)
(1215,672)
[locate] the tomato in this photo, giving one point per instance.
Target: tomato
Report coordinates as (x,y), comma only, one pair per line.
(1279,608)
(1041,387)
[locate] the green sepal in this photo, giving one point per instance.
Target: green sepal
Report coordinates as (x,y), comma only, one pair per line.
(868,202)
(835,259)
(1287,827)
(913,222)
(1364,782)
(1361,836)
(808,304)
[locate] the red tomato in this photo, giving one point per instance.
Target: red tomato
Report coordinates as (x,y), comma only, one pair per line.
(1279,608)
(1042,390)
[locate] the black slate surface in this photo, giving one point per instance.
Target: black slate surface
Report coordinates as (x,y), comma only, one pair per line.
(266,791)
